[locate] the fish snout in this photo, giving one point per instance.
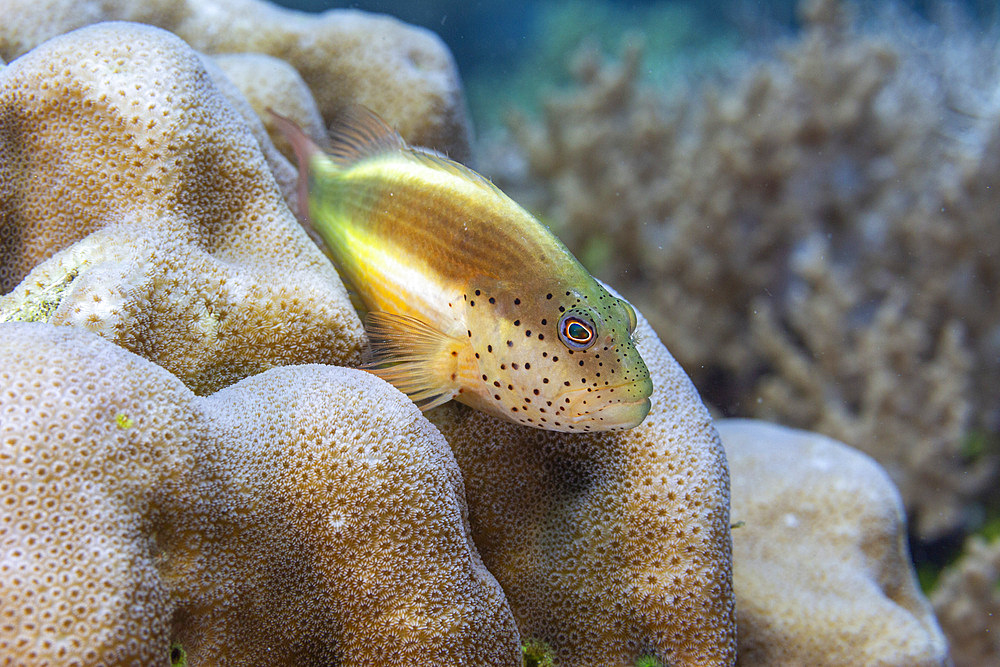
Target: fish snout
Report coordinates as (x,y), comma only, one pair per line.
(619,407)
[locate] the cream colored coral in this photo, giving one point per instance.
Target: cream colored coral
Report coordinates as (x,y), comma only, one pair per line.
(613,546)
(158,224)
(820,563)
(269,83)
(308,514)
(405,73)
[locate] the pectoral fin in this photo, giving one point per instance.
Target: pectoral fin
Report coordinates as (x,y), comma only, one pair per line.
(419,360)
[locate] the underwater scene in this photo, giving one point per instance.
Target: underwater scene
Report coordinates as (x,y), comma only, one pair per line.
(544,334)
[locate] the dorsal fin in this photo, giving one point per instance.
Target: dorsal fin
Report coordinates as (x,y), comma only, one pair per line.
(359,133)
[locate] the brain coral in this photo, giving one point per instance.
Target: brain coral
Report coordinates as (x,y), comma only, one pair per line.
(610,547)
(405,73)
(158,223)
(307,515)
(820,562)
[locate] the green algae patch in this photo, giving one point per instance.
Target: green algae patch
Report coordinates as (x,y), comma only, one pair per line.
(537,653)
(39,306)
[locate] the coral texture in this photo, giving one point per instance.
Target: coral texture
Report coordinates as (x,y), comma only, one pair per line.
(820,562)
(610,547)
(404,73)
(142,195)
(815,238)
(171,240)
(967,604)
(268,82)
(308,514)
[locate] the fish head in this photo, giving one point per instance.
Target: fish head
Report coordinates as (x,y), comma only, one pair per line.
(561,361)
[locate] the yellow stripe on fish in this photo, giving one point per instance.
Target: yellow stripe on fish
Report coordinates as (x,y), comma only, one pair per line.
(468,296)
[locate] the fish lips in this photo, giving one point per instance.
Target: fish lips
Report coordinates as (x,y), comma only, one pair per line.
(611,416)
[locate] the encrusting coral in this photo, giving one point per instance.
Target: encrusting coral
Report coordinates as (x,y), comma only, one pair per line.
(820,563)
(404,73)
(610,547)
(815,239)
(307,515)
(137,196)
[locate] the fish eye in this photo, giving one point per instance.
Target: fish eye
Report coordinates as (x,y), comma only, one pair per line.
(630,314)
(576,332)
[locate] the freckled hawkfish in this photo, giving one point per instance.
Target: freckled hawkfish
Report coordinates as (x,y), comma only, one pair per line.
(468,296)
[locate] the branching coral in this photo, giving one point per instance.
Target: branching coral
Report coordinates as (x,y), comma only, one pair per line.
(157,221)
(614,547)
(815,240)
(967,603)
(820,563)
(405,73)
(308,514)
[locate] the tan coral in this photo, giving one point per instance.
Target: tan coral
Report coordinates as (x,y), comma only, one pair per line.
(967,603)
(820,563)
(308,514)
(163,230)
(270,83)
(405,73)
(613,546)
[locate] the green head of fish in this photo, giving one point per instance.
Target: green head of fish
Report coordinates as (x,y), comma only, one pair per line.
(561,360)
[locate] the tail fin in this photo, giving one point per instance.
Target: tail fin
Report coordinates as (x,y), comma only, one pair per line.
(304,149)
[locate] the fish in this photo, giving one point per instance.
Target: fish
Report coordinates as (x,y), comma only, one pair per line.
(464,294)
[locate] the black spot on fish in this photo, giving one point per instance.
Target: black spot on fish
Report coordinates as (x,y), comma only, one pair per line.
(510,343)
(548,296)
(514,366)
(478,292)
(492,300)
(517,323)
(489,348)
(527,366)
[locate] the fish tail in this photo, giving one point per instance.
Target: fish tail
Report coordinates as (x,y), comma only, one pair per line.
(304,149)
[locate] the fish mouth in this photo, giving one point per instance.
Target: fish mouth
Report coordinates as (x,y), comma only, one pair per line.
(604,415)
(615,416)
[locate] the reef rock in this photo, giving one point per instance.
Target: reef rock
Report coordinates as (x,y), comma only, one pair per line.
(308,515)
(403,72)
(141,193)
(820,563)
(611,547)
